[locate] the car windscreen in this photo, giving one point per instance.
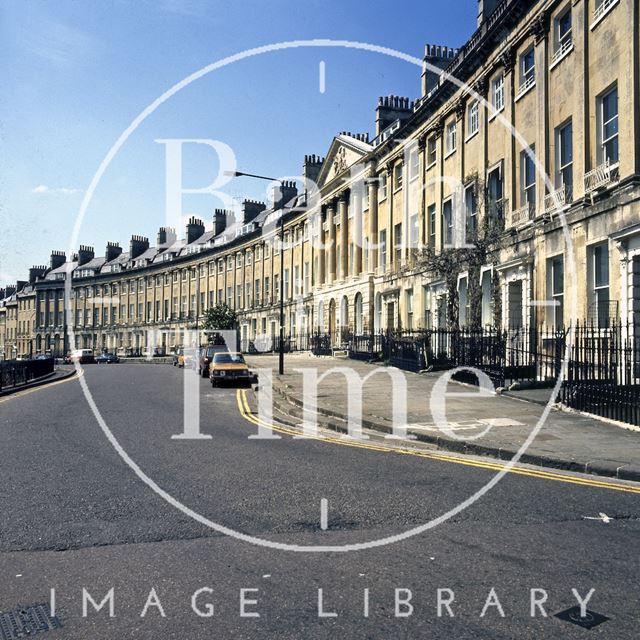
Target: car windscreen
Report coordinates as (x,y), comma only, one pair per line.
(228,358)
(211,351)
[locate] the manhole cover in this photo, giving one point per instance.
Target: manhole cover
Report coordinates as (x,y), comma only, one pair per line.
(589,621)
(27,621)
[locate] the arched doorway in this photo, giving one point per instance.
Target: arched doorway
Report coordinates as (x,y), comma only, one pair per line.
(358,314)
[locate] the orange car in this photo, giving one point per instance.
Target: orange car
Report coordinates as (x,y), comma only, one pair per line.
(229,367)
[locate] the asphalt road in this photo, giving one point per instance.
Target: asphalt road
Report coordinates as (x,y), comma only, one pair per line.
(75,516)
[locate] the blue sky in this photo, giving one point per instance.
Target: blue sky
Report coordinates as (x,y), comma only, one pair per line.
(75,74)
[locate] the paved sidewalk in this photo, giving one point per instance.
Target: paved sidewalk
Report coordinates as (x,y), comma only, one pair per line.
(566,440)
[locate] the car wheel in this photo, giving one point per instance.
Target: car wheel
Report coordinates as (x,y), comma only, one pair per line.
(213,382)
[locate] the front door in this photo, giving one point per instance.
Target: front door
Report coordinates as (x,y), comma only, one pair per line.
(390,315)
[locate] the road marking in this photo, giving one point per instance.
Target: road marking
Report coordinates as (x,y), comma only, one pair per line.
(501,422)
(603,517)
(26,392)
(323,76)
(245,411)
(324,514)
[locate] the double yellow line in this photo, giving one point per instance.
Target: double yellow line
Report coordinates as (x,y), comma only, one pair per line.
(247,414)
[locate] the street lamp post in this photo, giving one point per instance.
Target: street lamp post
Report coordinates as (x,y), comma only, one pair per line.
(281,342)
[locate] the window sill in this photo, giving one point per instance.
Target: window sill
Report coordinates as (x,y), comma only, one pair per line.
(523,92)
(430,166)
(560,58)
(496,113)
(450,153)
(603,15)
(471,136)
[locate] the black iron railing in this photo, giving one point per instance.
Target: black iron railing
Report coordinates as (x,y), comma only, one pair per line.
(603,371)
(602,374)
(16,373)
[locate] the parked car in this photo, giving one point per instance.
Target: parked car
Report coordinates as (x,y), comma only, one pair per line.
(83,356)
(229,367)
(107,358)
(205,356)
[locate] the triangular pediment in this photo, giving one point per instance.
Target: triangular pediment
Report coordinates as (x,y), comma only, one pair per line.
(344,152)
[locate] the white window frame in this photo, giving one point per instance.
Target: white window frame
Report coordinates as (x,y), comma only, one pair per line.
(398,176)
(383,183)
(527,75)
(447,223)
(414,163)
(432,151)
(451,139)
(601,9)
(595,287)
(471,216)
(527,187)
(560,167)
(497,93)
(382,254)
(473,118)
(556,296)
(432,216)
(562,43)
(414,232)
(602,141)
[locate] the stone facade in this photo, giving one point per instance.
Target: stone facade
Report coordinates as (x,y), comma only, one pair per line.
(556,79)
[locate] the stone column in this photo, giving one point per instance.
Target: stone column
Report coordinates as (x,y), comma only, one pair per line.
(372,185)
(357,235)
(331,245)
(320,277)
(343,211)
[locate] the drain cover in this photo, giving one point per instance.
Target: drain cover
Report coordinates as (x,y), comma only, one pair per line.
(591,620)
(27,621)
